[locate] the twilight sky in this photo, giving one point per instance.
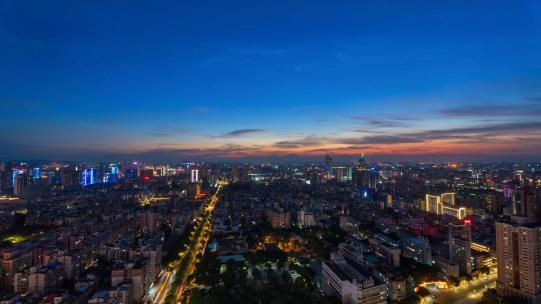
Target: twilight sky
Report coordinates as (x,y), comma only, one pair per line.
(174,80)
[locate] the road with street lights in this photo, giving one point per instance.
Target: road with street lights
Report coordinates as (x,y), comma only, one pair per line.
(176,282)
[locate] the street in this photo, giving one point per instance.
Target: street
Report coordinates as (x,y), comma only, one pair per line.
(186,264)
(465,294)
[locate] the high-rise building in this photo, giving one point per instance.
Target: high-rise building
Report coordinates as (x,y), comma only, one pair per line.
(37,173)
(361,163)
(351,283)
(525,206)
(460,247)
(195,176)
(339,173)
(234,173)
(88,177)
(246,171)
(21,181)
(518,251)
(363,177)
(444,204)
(518,248)
(240,174)
(70,178)
(5,170)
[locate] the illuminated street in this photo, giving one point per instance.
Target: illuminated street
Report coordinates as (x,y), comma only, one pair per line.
(198,242)
(189,258)
(465,294)
(270,152)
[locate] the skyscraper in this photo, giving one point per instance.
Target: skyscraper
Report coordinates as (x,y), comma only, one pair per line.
(234,173)
(361,163)
(525,206)
(363,177)
(518,249)
(195,176)
(21,181)
(460,247)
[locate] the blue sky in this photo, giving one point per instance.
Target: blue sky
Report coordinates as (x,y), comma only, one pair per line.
(238,79)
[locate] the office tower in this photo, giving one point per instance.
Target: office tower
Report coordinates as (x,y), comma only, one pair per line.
(88,177)
(113,175)
(195,176)
(70,178)
(157,170)
(460,247)
(21,181)
(37,173)
(361,163)
(364,177)
(339,173)
(433,204)
(444,204)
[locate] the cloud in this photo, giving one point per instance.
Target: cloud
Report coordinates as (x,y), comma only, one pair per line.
(481,133)
(468,134)
(242,132)
(388,122)
(494,110)
(380,139)
(301,142)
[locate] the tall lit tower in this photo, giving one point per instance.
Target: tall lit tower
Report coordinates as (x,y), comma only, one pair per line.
(195,175)
(361,163)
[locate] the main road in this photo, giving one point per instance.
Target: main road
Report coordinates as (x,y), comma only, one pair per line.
(470,293)
(174,283)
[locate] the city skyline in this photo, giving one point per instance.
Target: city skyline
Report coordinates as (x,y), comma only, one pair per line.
(247,81)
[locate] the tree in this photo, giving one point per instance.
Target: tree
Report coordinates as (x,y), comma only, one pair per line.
(423,292)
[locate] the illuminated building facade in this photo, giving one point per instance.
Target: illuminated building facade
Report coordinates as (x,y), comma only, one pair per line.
(88,177)
(364,177)
(444,204)
(195,176)
(460,247)
(341,174)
